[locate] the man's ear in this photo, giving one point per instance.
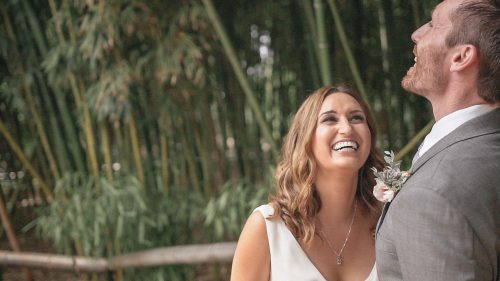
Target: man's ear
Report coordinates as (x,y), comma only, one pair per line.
(464,57)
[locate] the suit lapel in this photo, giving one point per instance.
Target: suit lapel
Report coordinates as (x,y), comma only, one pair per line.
(482,125)
(382,216)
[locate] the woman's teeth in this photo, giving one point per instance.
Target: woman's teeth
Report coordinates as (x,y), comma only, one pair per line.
(345,145)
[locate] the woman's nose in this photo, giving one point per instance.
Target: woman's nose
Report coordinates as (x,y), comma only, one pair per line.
(344,126)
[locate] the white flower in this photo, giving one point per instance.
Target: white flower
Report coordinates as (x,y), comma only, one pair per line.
(382,192)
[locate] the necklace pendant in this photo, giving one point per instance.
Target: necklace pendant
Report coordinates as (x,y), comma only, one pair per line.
(339,260)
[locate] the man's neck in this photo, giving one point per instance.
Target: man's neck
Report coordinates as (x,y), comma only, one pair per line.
(453,100)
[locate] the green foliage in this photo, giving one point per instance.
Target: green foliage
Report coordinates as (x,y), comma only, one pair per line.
(94,217)
(93,212)
(226,214)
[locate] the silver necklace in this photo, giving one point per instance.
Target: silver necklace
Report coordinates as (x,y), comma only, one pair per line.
(339,253)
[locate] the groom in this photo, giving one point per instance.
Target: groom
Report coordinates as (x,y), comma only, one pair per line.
(445,222)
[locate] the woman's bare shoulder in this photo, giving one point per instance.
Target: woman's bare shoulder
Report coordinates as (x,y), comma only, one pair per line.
(252,257)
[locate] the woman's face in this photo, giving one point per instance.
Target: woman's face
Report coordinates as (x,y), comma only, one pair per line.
(342,139)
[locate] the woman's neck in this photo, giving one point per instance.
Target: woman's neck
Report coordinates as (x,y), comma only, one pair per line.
(337,193)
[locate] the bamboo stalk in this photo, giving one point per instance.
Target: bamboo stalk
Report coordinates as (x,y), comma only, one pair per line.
(76,95)
(89,131)
(245,85)
(77,90)
(147,137)
(7,225)
(70,131)
(6,19)
(414,141)
(37,34)
(35,26)
(136,150)
(79,252)
(30,98)
(62,107)
(236,119)
(214,151)
(189,157)
(164,164)
(347,49)
(387,110)
(68,124)
(310,37)
(26,163)
(109,247)
(59,142)
(204,158)
(106,151)
(322,43)
(123,145)
(118,273)
(221,128)
(41,133)
(57,21)
(201,148)
(308,11)
(164,154)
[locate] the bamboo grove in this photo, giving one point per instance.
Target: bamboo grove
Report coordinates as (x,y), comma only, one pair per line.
(137,124)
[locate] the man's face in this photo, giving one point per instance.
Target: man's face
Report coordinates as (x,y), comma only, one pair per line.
(430,71)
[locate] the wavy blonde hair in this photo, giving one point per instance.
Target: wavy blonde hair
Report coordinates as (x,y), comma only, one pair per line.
(296,200)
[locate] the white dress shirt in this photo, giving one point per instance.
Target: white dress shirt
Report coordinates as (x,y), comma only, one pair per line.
(450,122)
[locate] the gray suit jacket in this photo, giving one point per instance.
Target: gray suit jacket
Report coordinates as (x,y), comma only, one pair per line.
(444,224)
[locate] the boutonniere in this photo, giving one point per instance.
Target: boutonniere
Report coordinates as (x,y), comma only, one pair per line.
(390,179)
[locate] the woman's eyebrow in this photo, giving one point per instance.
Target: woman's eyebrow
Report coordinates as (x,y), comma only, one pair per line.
(328,112)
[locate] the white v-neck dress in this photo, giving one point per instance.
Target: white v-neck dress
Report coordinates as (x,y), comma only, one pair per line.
(288,260)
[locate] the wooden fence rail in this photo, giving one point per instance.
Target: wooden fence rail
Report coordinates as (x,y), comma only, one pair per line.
(187,254)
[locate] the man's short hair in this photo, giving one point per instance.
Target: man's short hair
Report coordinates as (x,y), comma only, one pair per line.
(477,22)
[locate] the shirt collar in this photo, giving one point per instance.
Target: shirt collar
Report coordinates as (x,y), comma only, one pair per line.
(450,122)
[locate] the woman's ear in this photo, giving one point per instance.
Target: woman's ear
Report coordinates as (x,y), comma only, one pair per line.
(464,57)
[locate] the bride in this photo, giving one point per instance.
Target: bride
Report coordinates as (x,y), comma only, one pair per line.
(320,223)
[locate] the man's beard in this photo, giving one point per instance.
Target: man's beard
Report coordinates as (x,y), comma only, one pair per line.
(426,73)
